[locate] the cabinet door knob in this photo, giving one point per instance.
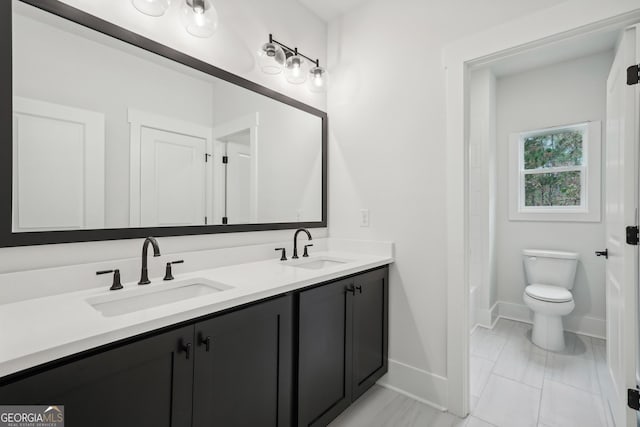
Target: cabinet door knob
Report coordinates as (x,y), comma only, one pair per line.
(207,343)
(359,288)
(187,350)
(351,289)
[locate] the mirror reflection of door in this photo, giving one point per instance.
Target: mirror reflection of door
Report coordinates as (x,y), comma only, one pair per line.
(237,140)
(171,181)
(172,167)
(59,175)
(238,179)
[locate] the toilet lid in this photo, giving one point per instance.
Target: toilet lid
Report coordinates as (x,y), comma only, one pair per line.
(548,293)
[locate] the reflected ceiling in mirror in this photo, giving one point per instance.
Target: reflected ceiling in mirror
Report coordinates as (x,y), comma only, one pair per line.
(110,135)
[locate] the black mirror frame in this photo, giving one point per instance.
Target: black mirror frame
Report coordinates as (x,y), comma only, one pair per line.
(10,239)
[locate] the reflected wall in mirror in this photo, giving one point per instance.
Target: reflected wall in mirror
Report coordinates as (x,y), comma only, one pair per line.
(107,135)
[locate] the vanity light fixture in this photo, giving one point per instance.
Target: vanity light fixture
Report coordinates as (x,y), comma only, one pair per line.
(272,57)
(296,68)
(276,57)
(199,17)
(152,7)
(318,79)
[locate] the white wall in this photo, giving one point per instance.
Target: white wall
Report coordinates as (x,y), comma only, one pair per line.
(482,197)
(387,154)
(244,27)
(565,93)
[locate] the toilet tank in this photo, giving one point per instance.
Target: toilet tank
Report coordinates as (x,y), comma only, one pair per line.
(550,267)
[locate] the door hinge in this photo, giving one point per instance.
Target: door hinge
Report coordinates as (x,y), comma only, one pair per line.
(206,157)
(225,159)
(206,220)
(633,398)
(632,235)
(225,220)
(633,75)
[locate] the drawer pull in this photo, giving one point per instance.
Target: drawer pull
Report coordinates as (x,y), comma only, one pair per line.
(207,343)
(187,349)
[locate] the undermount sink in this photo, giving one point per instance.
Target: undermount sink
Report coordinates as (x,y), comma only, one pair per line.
(156,295)
(316,263)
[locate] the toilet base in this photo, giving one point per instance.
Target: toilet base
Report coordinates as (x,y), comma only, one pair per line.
(548,332)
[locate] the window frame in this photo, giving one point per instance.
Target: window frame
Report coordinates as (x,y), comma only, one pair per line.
(589,209)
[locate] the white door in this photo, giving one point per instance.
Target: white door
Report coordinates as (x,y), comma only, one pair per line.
(172,179)
(620,207)
(58,167)
(238,183)
(237,194)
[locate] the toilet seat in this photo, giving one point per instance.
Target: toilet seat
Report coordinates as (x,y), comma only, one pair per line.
(548,293)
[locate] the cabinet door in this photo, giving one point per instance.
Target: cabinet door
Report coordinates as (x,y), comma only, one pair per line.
(146,383)
(324,370)
(370,329)
(243,376)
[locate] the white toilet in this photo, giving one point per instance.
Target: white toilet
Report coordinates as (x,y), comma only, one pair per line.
(550,276)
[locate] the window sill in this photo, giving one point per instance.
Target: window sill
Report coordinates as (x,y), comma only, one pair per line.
(555,216)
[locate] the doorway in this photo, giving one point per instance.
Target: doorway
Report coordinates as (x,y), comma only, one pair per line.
(514,311)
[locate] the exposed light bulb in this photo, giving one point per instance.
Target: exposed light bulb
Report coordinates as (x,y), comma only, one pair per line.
(199,17)
(296,70)
(318,79)
(271,58)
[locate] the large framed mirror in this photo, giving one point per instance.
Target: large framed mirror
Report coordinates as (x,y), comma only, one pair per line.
(109,135)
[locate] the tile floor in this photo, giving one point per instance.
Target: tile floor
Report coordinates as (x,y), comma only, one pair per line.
(513,384)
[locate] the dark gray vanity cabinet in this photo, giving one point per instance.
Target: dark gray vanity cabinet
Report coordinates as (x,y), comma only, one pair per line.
(230,370)
(233,369)
(343,343)
(370,330)
(324,353)
(144,383)
(243,366)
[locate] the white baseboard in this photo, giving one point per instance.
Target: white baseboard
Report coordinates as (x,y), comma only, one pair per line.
(418,384)
(473,309)
(486,317)
(582,325)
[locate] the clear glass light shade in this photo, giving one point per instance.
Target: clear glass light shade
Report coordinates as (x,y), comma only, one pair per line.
(199,18)
(296,69)
(272,58)
(152,7)
(318,79)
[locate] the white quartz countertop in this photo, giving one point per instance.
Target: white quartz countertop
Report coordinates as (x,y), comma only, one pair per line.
(40,330)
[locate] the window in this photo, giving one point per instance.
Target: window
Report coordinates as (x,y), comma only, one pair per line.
(555,174)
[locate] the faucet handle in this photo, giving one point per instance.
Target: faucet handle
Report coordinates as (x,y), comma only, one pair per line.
(116,278)
(168,274)
(284,253)
(305,254)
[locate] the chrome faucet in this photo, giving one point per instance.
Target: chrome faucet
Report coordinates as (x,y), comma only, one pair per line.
(295,241)
(144,274)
